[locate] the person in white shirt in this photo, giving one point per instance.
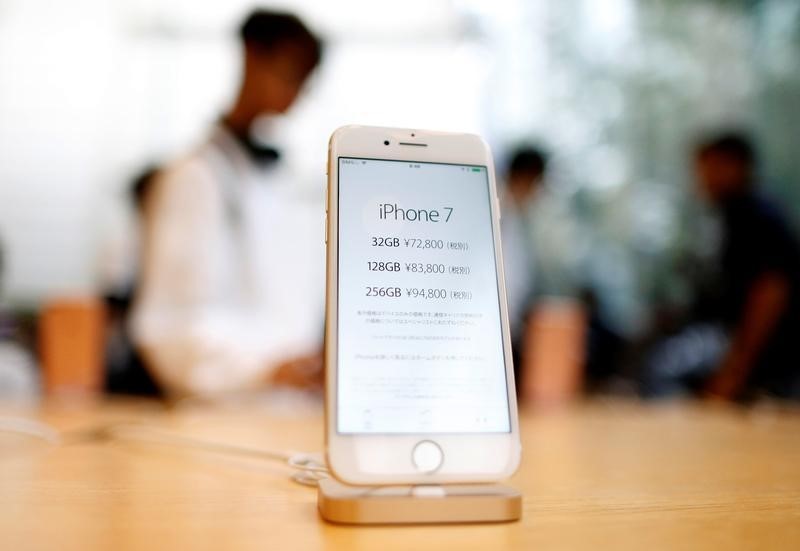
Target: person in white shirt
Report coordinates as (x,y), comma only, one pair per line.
(232,281)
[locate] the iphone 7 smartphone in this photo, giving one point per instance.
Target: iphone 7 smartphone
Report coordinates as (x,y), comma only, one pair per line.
(419,379)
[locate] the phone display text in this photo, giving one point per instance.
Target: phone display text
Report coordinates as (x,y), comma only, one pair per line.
(420,347)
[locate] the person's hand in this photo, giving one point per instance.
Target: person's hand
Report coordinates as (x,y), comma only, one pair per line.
(766,302)
(303,372)
(727,383)
(721,387)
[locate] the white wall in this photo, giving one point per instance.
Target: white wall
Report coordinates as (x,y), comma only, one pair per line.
(92,90)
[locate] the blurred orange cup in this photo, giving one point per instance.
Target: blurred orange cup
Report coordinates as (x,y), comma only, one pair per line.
(71,340)
(555,353)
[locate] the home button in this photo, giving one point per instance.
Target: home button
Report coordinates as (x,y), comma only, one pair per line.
(427,456)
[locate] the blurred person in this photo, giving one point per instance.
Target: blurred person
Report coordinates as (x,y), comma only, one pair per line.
(554,337)
(233,276)
(523,181)
(548,324)
(745,330)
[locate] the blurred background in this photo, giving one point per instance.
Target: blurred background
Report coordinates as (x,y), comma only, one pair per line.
(615,92)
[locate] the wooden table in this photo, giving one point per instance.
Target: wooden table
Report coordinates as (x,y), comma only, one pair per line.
(597,476)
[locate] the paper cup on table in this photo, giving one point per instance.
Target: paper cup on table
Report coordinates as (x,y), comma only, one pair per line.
(555,352)
(71,336)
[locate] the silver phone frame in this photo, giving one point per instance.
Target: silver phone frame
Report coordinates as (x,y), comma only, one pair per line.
(442,147)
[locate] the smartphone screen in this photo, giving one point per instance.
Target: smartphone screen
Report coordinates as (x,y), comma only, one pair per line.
(420,344)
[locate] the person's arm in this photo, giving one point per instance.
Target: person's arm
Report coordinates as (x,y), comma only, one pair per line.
(196,334)
(764,306)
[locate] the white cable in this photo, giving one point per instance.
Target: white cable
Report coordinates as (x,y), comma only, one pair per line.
(308,478)
(310,468)
(307,462)
(29,427)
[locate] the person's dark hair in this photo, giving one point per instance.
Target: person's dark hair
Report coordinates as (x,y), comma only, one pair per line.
(268,30)
(142,184)
(528,159)
(733,144)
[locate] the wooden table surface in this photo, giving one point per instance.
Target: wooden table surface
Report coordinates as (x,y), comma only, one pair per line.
(596,476)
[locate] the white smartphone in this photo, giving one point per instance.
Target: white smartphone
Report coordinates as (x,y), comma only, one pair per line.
(419,379)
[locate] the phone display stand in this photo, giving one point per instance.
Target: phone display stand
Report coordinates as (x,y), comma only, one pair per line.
(424,504)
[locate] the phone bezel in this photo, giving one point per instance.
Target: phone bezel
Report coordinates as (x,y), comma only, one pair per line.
(386,458)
